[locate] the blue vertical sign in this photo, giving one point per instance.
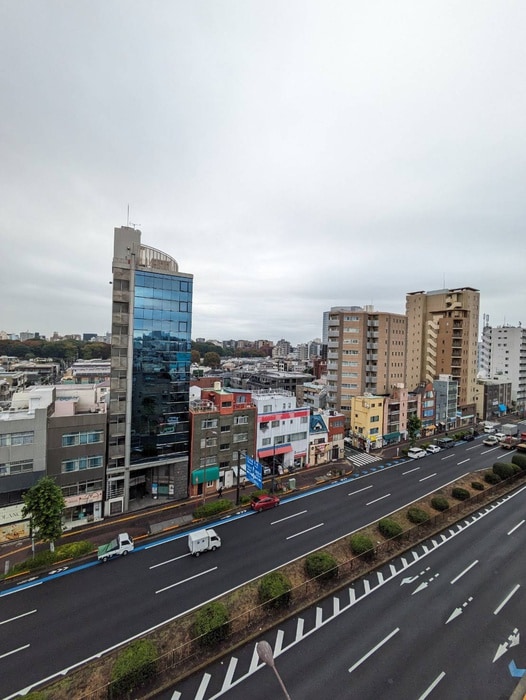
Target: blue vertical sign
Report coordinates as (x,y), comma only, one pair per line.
(254,471)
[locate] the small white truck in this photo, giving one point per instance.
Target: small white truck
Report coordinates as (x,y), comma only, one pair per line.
(203,541)
(120,546)
(510,429)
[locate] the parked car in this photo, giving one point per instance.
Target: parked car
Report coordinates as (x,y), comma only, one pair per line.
(468,437)
(432,449)
(264,502)
(416,453)
(491,440)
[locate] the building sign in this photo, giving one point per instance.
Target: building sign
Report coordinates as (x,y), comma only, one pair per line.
(83,498)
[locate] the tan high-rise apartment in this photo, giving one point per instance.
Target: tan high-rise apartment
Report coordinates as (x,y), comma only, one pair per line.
(365,353)
(442,336)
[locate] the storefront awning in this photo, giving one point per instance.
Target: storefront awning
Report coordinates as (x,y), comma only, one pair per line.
(199,476)
(271,451)
(392,436)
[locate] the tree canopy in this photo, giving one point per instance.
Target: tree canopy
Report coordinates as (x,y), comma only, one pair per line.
(413,428)
(44,504)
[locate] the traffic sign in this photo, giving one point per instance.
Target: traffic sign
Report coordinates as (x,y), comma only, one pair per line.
(254,471)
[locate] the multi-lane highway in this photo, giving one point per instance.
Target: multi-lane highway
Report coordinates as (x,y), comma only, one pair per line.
(446,621)
(60,620)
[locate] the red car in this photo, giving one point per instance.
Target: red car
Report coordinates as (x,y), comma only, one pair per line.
(264,502)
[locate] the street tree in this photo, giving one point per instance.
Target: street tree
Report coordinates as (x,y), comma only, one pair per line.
(44,504)
(212,359)
(413,428)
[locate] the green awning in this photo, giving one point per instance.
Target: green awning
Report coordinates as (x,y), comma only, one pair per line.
(199,476)
(391,436)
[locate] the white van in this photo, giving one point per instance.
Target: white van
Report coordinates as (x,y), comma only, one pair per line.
(416,453)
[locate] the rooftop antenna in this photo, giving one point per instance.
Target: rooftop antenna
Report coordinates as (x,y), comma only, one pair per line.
(128,222)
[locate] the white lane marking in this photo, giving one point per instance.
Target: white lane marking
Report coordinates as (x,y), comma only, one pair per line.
(12,619)
(516,527)
(203,687)
(14,651)
(353,493)
(427,477)
(465,571)
(378,499)
(281,520)
(410,471)
(21,587)
(169,561)
(506,599)
(374,649)
(432,686)
(304,531)
(190,578)
(463,461)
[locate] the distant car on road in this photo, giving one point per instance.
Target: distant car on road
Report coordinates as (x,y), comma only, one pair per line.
(432,449)
(416,453)
(491,440)
(468,437)
(264,502)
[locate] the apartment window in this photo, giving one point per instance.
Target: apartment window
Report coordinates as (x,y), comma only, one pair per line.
(375,419)
(210,423)
(11,439)
(241,437)
(225,428)
(224,465)
(89,438)
(279,440)
(224,446)
(240,420)
(275,423)
(267,409)
(18,467)
(266,441)
(75,465)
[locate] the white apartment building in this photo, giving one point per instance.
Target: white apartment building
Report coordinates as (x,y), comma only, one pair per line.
(503,356)
(282,439)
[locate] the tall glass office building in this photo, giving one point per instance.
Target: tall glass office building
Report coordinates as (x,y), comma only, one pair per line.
(148,440)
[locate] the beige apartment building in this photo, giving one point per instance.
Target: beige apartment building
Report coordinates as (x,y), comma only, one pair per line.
(365,354)
(442,335)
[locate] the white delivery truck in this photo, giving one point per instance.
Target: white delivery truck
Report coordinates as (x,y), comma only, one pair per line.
(202,541)
(510,429)
(121,545)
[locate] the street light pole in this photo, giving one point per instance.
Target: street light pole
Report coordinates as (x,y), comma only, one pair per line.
(265,654)
(239,473)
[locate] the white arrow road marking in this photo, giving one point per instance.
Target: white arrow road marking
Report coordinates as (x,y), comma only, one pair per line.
(458,611)
(502,649)
(513,640)
(425,584)
(374,649)
(409,579)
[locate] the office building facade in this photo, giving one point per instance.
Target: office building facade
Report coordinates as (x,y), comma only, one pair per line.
(148,433)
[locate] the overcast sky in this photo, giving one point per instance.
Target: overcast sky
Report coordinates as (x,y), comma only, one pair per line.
(292,155)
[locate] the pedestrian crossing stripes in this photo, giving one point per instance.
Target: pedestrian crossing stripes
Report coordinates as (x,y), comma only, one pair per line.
(360,459)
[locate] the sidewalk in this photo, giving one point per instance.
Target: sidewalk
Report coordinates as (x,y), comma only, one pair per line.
(150,517)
